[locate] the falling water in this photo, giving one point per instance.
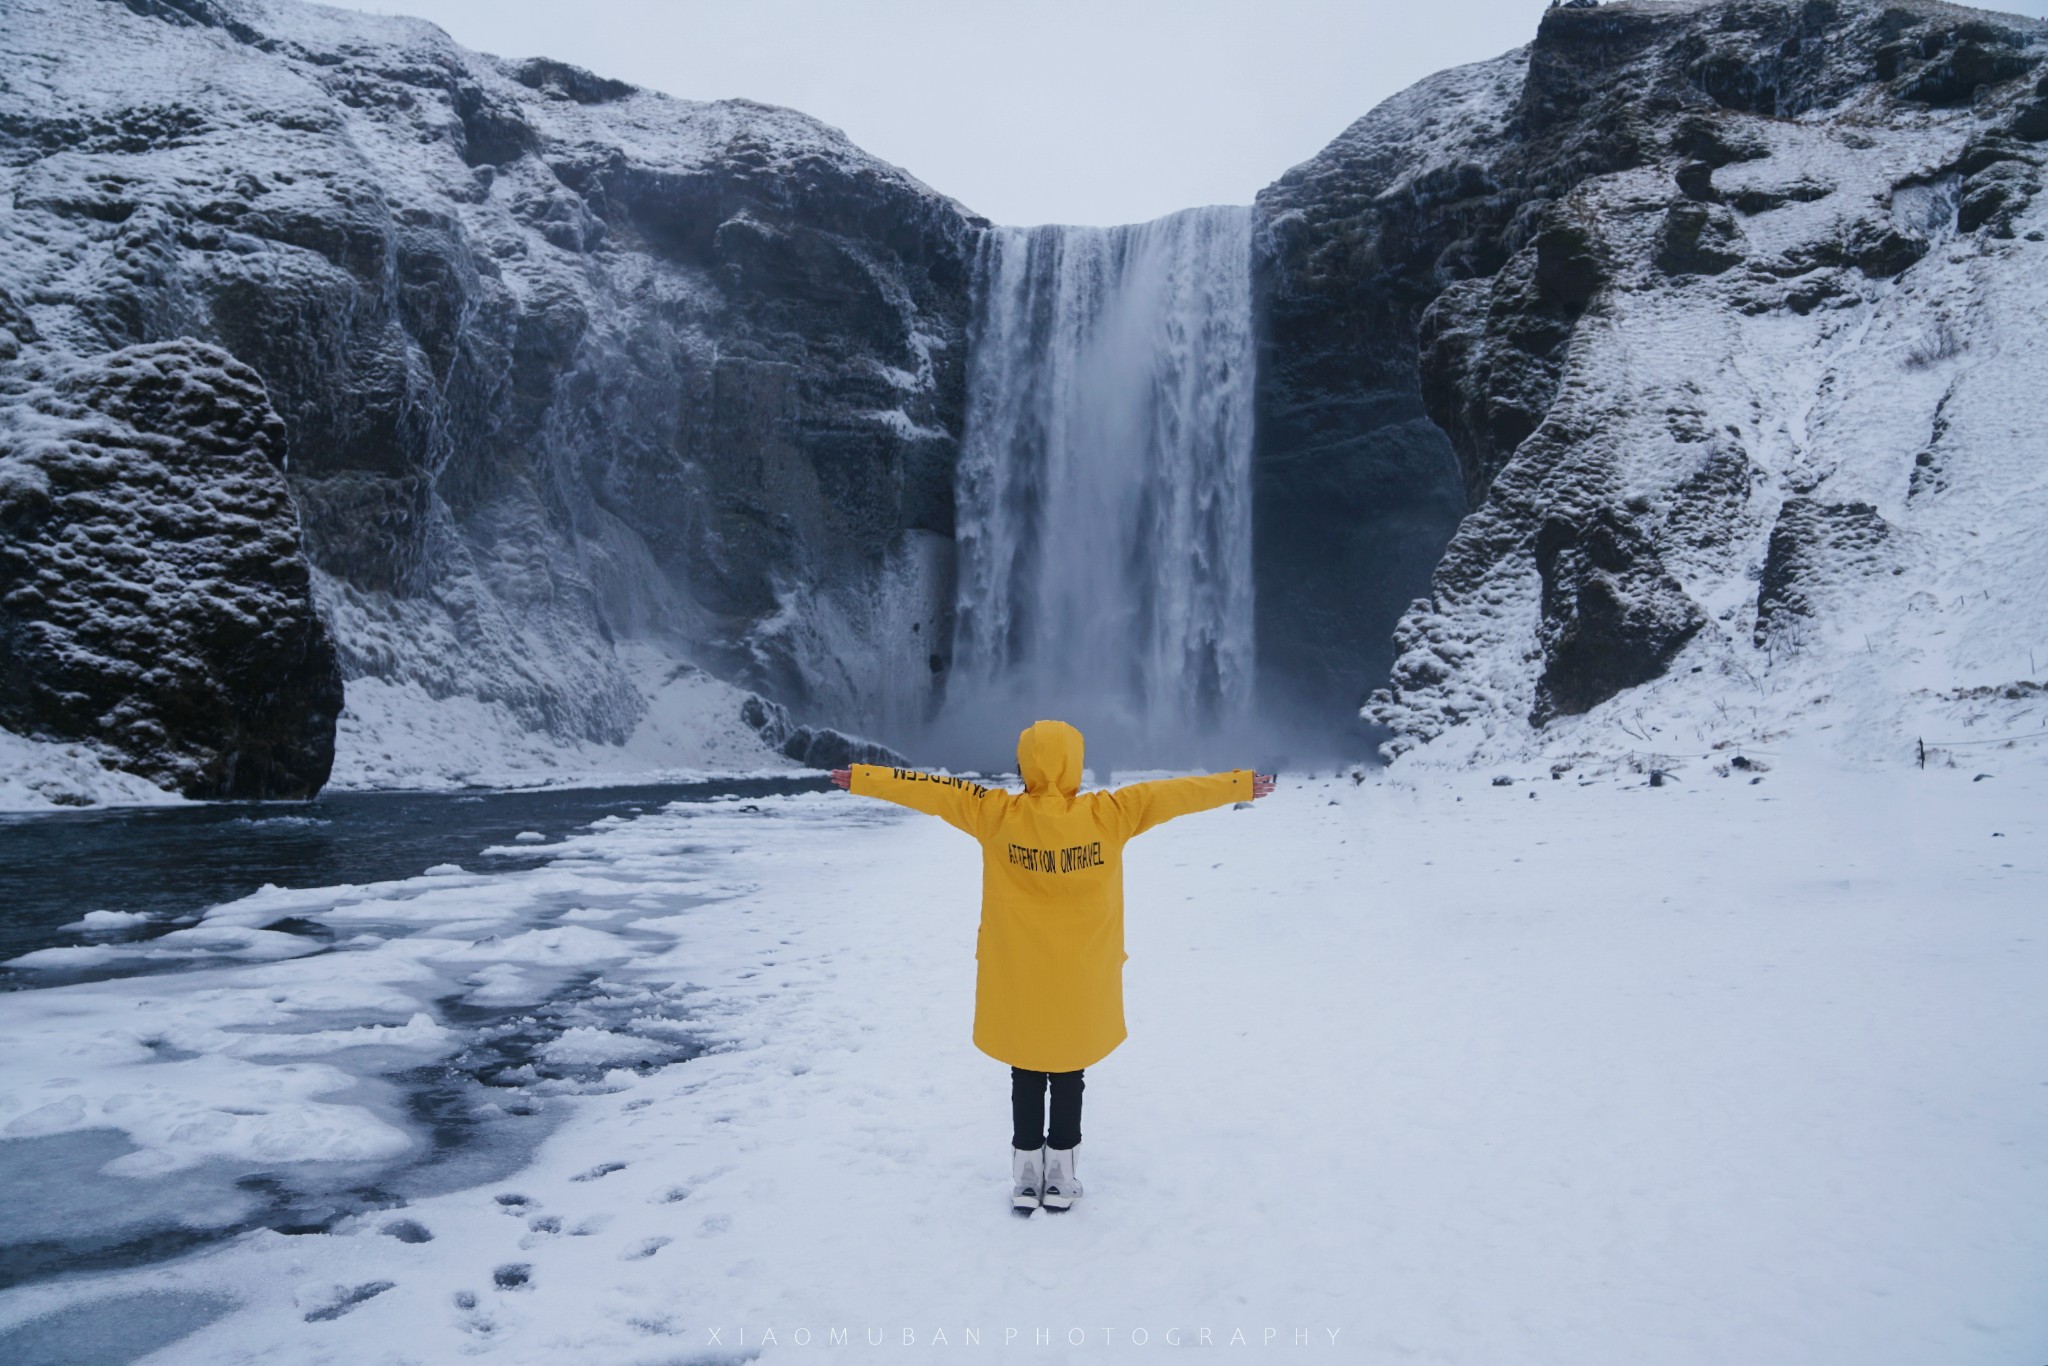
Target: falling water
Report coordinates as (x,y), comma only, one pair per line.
(1104,482)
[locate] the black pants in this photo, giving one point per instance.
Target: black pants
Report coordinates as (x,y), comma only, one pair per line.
(1027,1109)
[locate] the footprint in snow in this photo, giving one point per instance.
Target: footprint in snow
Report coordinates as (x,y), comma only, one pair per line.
(714,1225)
(513,1201)
(661,1326)
(473,1320)
(601,1169)
(547,1223)
(348,1300)
(407,1231)
(513,1275)
(644,1249)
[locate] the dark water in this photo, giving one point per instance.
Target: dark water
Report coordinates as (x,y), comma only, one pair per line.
(474,1114)
(174,862)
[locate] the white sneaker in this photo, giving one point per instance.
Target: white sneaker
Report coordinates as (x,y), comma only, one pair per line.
(1027,1178)
(1062,1187)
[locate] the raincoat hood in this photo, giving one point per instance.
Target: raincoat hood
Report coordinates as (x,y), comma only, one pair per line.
(1049,758)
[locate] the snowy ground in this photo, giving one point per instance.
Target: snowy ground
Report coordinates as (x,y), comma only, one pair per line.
(1423,1069)
(394,735)
(44,775)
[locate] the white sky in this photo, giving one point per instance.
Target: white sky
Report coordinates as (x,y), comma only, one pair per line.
(1030,111)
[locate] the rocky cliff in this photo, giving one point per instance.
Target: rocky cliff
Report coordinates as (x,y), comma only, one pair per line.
(1730,314)
(1683,362)
(562,366)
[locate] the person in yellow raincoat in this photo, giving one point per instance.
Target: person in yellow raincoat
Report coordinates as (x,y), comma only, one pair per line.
(1048,993)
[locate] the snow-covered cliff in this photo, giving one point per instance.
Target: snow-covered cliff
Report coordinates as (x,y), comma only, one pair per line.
(1733,314)
(579,383)
(1685,360)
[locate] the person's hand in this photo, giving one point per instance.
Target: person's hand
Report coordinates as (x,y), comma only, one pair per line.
(1262,784)
(843,778)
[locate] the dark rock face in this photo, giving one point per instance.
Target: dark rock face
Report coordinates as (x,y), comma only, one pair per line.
(1356,488)
(1492,350)
(561,363)
(1698,239)
(152,593)
(1612,617)
(1995,195)
(1886,252)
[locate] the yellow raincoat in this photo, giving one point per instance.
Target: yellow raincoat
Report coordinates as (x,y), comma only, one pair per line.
(1049,984)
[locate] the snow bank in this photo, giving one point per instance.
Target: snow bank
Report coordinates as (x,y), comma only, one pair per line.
(395,735)
(43,775)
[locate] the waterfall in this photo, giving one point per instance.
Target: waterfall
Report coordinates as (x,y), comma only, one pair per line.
(1104,486)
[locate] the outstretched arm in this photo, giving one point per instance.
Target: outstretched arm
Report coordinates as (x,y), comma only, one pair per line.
(955,801)
(1145,805)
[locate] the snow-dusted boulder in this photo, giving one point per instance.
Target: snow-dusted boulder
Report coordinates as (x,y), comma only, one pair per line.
(153,599)
(813,746)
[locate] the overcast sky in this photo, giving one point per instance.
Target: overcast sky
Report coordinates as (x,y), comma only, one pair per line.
(1030,111)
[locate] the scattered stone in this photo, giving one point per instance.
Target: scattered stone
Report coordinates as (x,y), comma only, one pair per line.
(367,1291)
(300,925)
(813,746)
